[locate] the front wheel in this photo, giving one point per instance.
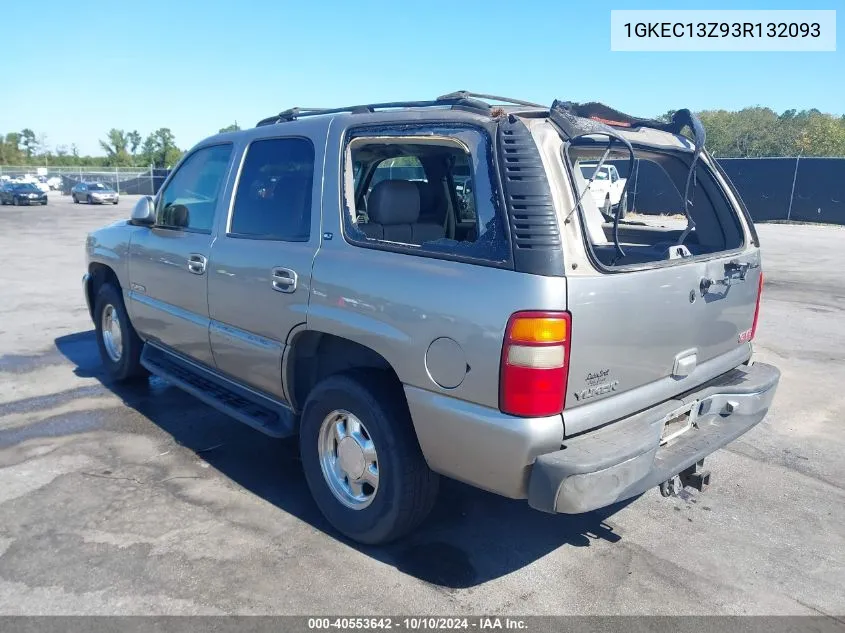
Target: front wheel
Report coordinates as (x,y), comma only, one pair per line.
(361,458)
(75,200)
(90,200)
(119,343)
(114,202)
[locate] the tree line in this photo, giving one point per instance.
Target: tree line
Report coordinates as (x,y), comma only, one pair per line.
(120,148)
(746,133)
(756,132)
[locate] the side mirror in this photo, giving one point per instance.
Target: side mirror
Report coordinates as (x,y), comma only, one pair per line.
(144,212)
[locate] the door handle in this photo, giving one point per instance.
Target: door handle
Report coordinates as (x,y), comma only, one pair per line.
(196,263)
(283,279)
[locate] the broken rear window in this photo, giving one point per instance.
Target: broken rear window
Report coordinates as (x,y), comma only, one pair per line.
(649,204)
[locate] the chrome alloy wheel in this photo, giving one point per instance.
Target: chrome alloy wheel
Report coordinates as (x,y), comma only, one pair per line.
(348,459)
(112,335)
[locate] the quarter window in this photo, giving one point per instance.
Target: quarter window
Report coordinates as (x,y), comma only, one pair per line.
(429,194)
(189,199)
(273,200)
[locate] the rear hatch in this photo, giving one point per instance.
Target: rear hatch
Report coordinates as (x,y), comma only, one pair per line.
(670,295)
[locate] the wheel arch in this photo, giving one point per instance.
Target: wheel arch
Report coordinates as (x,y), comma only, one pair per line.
(312,356)
(98,274)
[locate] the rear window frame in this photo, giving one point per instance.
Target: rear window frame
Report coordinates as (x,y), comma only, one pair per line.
(705,161)
(434,128)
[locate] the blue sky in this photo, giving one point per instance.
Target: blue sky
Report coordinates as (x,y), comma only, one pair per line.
(85,66)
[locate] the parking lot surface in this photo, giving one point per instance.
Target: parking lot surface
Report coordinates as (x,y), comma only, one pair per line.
(139,500)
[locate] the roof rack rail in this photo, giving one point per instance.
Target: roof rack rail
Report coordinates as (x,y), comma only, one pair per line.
(461,100)
(463,94)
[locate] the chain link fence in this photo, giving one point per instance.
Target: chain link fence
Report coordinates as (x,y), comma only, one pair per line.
(125,180)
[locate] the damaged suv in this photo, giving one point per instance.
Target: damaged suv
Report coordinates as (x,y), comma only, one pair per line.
(430,288)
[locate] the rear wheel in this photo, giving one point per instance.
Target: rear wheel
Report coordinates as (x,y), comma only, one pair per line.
(622,207)
(361,458)
(75,201)
(119,343)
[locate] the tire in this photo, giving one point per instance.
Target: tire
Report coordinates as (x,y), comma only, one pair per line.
(406,488)
(75,201)
(622,207)
(127,365)
(90,200)
(16,201)
(115,202)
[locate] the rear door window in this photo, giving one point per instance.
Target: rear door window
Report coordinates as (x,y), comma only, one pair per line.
(273,198)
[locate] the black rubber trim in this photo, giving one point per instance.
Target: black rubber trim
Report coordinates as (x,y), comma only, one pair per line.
(755,239)
(535,234)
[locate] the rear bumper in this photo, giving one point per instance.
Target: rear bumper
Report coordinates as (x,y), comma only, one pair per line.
(624,459)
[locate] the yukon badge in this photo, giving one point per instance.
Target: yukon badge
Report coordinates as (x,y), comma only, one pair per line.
(598,383)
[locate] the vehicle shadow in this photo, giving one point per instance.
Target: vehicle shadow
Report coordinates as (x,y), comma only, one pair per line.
(471,536)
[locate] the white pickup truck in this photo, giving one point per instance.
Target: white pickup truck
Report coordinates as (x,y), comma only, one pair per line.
(608,189)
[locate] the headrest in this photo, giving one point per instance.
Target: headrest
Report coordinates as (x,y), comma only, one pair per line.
(394,202)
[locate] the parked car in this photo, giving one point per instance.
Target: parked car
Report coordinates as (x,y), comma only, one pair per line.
(20,193)
(55,183)
(608,188)
(529,348)
(41,183)
(94,193)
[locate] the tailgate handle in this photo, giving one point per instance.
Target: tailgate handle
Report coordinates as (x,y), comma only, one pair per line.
(735,269)
(734,273)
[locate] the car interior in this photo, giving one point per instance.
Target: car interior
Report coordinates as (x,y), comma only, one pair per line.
(413,192)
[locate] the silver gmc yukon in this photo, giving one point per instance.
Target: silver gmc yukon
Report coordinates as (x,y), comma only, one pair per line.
(429,288)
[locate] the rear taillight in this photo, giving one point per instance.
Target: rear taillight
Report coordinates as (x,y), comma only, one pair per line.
(757,307)
(535,363)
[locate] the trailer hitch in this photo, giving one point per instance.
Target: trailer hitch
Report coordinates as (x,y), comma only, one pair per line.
(692,477)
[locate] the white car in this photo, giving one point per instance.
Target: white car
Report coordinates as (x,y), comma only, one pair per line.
(41,183)
(607,188)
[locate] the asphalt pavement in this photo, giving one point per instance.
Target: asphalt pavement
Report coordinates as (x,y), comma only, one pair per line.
(117,500)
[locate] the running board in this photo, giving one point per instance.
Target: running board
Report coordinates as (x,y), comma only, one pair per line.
(258,411)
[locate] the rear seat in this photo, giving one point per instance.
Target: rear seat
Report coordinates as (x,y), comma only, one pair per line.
(394,212)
